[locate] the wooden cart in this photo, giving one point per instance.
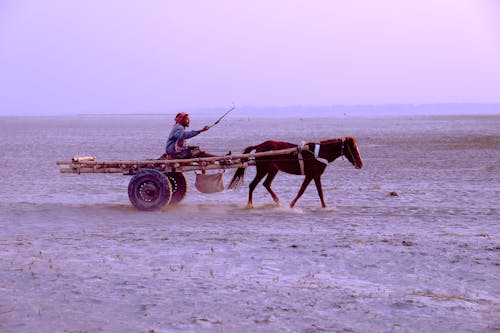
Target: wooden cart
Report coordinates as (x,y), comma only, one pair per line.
(157,183)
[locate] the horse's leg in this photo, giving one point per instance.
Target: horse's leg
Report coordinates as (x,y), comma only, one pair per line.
(317,181)
(267,184)
(258,177)
(306,182)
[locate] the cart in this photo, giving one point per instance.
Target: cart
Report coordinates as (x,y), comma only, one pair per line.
(157,183)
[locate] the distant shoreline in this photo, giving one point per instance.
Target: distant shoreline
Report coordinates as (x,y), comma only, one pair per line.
(445,109)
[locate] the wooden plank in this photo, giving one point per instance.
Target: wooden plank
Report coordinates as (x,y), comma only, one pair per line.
(181,162)
(184,168)
(91,170)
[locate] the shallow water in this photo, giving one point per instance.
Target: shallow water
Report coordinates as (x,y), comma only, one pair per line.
(77,257)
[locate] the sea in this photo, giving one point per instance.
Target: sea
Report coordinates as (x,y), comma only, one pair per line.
(408,243)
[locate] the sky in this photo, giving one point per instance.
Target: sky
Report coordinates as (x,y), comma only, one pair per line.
(158,56)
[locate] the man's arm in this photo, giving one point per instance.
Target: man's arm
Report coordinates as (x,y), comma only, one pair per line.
(190,134)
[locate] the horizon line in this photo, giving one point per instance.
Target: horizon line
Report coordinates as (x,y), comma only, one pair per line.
(404,108)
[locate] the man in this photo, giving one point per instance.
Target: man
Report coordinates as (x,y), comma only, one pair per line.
(177,140)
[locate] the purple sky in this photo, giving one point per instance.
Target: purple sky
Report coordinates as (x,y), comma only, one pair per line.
(157,56)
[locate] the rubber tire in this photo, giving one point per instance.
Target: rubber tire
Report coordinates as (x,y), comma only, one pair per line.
(178,183)
(149,190)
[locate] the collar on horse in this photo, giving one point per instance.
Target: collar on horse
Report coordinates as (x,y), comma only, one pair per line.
(317,147)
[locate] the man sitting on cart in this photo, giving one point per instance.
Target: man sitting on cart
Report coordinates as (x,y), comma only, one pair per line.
(177,147)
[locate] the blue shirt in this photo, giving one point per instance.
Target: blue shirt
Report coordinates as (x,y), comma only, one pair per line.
(177,139)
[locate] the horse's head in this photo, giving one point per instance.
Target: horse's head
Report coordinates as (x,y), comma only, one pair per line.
(351,152)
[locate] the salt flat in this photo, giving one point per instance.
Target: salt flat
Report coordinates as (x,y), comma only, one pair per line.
(77,257)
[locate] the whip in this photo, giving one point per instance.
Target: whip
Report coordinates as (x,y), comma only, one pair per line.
(225,114)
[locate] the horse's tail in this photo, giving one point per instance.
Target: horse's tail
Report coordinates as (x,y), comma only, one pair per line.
(240,172)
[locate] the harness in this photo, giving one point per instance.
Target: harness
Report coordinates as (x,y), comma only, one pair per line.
(317,147)
(300,147)
(316,153)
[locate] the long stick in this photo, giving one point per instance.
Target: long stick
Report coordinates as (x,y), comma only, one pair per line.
(185,160)
(225,114)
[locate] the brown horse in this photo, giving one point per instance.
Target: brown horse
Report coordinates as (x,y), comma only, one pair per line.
(311,163)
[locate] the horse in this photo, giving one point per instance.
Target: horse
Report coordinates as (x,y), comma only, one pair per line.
(309,160)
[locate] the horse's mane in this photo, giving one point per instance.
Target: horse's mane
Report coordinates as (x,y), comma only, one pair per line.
(350,139)
(327,141)
(347,138)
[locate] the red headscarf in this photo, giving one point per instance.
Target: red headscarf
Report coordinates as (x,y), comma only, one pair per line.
(180,116)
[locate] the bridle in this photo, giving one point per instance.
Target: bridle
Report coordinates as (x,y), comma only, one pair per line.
(349,150)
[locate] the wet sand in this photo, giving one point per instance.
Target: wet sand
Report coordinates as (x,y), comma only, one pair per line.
(77,257)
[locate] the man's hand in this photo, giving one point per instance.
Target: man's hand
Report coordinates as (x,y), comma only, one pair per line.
(205,128)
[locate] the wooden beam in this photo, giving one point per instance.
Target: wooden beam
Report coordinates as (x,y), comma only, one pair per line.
(183,161)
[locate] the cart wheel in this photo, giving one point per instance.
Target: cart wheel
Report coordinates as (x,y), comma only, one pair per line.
(149,190)
(178,183)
